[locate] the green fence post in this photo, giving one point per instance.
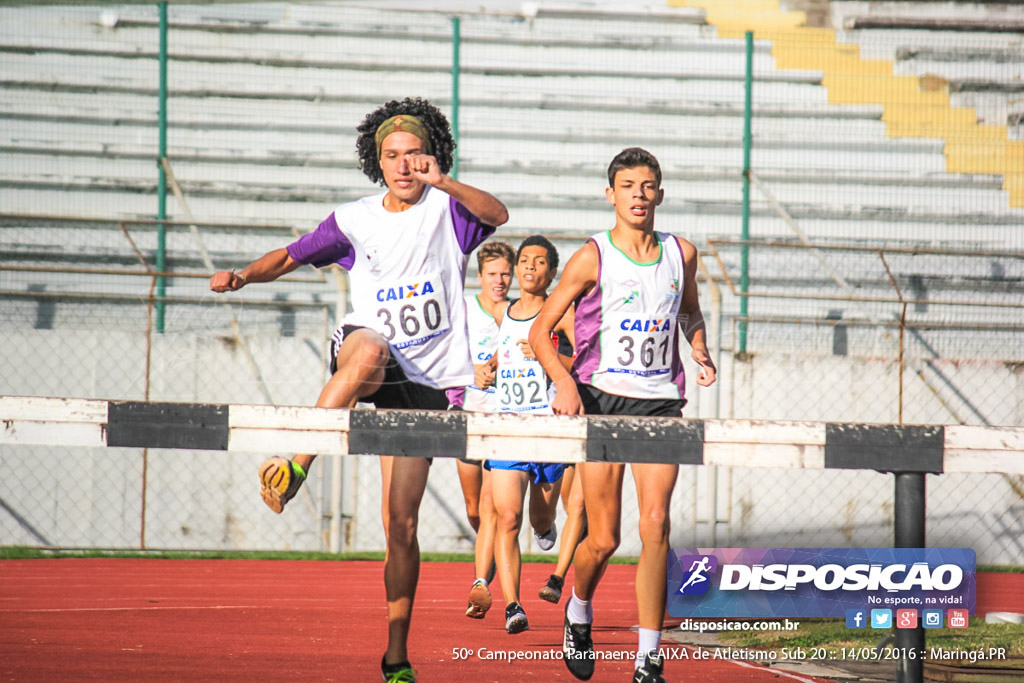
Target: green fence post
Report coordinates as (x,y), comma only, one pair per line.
(745,229)
(456,45)
(161,189)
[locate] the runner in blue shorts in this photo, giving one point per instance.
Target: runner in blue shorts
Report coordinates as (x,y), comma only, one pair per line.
(522,387)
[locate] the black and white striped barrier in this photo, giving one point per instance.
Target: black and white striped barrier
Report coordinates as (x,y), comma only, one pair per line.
(908,451)
(478,436)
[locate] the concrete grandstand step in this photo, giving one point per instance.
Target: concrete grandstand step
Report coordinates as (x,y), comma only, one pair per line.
(707,118)
(279,19)
(493,60)
(315,151)
(828,192)
(692,219)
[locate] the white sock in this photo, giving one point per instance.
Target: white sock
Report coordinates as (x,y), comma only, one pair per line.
(579,611)
(481,580)
(649,639)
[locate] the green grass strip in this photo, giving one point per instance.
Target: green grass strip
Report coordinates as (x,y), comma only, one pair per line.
(35,553)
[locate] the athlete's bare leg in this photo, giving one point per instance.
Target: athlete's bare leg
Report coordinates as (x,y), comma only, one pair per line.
(544,505)
(484,551)
(360,363)
(386,463)
(471,479)
(654,485)
(508,488)
(402,564)
(572,501)
(602,495)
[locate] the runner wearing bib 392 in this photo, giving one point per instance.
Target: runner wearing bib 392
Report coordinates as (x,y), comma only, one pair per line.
(522,387)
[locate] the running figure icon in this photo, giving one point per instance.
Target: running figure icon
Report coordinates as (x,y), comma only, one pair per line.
(697,571)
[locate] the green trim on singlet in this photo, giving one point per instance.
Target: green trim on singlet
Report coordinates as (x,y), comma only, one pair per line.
(661,250)
(476,298)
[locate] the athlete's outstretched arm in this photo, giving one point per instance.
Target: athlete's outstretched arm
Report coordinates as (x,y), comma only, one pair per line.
(579,276)
(691,320)
(483,205)
(266,268)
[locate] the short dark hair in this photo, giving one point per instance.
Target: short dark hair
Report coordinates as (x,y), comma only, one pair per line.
(632,157)
(441,141)
(492,250)
(540,241)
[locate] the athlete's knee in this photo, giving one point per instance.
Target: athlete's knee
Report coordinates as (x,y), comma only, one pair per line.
(604,543)
(575,507)
(509,520)
(402,530)
(541,518)
(472,507)
(474,521)
(368,356)
(655,526)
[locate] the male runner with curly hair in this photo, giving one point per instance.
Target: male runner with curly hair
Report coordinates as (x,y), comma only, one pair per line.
(405,341)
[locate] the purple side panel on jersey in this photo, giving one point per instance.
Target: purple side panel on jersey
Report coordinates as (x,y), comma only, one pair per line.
(678,370)
(324,246)
(469,230)
(456,396)
(587,329)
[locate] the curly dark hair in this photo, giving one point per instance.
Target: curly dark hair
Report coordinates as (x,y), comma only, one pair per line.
(437,126)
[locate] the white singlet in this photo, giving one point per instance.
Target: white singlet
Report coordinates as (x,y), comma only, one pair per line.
(627,337)
(407,272)
(521,384)
(483,341)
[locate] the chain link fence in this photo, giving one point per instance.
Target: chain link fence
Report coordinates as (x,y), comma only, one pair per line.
(881,285)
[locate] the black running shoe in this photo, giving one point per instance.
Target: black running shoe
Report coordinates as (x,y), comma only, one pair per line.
(650,672)
(552,590)
(578,649)
(515,618)
(397,673)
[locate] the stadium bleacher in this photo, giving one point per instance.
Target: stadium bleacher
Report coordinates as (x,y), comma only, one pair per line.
(262,107)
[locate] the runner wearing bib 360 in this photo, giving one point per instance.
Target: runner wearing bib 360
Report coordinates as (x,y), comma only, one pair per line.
(404,343)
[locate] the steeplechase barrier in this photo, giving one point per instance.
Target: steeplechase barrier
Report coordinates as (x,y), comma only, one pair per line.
(909,452)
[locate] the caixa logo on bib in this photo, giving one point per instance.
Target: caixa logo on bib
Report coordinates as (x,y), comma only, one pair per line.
(817,582)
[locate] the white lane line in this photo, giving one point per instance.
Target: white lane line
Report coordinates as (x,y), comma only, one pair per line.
(132,609)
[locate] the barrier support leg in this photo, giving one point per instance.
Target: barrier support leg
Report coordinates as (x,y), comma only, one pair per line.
(909,525)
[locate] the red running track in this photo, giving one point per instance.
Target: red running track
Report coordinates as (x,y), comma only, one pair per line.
(243,620)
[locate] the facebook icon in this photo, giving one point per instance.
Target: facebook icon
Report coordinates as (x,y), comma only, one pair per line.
(856,618)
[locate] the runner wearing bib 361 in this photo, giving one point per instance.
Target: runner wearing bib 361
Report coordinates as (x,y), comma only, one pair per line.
(634,289)
(626,333)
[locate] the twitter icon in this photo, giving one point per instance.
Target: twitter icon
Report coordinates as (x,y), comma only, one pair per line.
(881,618)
